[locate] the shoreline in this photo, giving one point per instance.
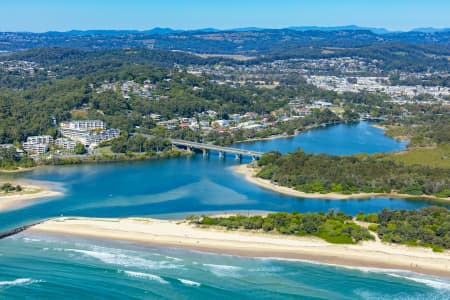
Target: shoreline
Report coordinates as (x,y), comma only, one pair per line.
(18,170)
(250,175)
(271,137)
(30,195)
(398,138)
(287,136)
(181,234)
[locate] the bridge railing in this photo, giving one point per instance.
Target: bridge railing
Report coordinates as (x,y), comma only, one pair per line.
(202,146)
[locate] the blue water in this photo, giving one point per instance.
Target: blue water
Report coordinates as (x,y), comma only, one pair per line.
(178,187)
(45,267)
(49,267)
(343,139)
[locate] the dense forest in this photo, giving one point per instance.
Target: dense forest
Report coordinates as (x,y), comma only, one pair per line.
(11,160)
(334,228)
(323,173)
(429,227)
(404,51)
(27,107)
(426,125)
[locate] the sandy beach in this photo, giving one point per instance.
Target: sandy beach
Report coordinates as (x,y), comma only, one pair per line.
(254,244)
(250,175)
(28,196)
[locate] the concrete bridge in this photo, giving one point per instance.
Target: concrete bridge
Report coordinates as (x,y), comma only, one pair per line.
(206,148)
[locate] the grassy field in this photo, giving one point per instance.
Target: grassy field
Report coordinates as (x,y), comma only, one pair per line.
(434,157)
(104,151)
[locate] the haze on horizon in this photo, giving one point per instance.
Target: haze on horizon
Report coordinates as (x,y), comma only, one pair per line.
(53,15)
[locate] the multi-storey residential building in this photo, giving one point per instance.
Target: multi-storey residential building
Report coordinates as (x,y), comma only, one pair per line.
(66,144)
(89,132)
(40,139)
(35,148)
(84,125)
(106,135)
(37,144)
(78,135)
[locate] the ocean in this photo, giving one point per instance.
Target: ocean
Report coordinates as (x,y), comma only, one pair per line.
(37,266)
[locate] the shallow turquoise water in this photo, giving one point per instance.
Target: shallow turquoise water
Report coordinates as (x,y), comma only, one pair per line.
(44,267)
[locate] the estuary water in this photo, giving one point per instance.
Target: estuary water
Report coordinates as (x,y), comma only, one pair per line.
(174,188)
(342,139)
(37,266)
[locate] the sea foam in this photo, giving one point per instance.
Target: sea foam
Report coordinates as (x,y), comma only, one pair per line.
(189,282)
(224,270)
(434,283)
(431,281)
(144,276)
(123,258)
(19,281)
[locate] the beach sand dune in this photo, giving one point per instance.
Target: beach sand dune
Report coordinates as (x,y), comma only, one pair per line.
(254,244)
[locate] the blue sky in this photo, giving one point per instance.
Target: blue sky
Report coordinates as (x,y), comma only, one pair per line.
(62,15)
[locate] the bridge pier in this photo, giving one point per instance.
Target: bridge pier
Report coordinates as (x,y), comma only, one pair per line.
(238,156)
(205,152)
(221,155)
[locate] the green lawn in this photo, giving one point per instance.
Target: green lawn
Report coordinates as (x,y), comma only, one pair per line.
(104,151)
(434,157)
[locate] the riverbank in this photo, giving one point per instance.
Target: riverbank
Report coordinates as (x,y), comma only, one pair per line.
(99,159)
(386,128)
(268,138)
(181,234)
(287,136)
(27,196)
(18,170)
(250,175)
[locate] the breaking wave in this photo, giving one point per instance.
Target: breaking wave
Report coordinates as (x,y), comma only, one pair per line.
(148,276)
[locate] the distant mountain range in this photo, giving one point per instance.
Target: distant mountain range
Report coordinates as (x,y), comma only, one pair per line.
(251,41)
(430,30)
(160,30)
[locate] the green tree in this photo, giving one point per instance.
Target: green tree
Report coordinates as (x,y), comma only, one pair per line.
(80,149)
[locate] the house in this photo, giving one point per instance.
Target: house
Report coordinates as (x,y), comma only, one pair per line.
(323,104)
(220,123)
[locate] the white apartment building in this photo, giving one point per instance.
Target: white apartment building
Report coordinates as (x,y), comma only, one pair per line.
(35,148)
(106,135)
(66,144)
(37,144)
(78,135)
(84,125)
(87,132)
(40,139)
